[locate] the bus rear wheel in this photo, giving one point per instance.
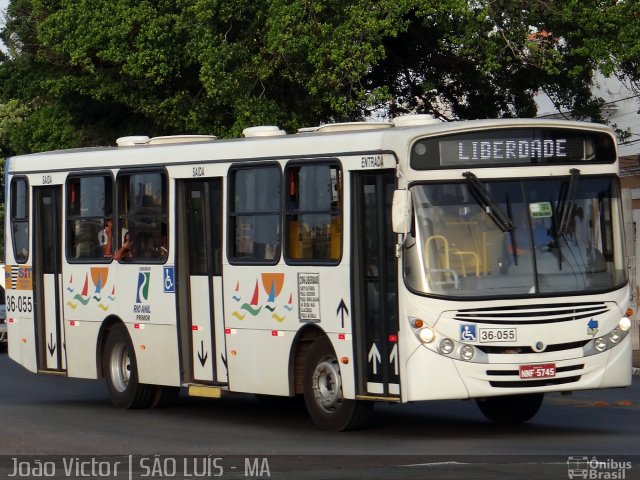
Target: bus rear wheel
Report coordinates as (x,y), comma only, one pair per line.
(120,371)
(323,396)
(511,408)
(164,397)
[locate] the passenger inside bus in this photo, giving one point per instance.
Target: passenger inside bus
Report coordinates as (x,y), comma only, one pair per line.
(125,252)
(161,249)
(105,237)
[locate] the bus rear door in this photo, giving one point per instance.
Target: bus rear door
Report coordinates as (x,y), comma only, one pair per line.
(47,268)
(200,281)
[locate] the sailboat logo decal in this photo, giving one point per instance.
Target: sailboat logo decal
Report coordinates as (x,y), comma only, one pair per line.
(272,285)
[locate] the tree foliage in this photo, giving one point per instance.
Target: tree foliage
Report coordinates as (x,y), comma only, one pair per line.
(83,72)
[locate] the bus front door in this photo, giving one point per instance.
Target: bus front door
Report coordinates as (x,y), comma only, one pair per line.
(200,277)
(375,285)
(47,275)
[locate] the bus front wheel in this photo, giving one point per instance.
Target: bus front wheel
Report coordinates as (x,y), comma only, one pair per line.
(120,371)
(323,397)
(511,408)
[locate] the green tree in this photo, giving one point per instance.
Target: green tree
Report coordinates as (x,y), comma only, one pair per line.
(81,72)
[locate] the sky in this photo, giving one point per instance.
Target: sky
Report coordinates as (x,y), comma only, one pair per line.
(3,8)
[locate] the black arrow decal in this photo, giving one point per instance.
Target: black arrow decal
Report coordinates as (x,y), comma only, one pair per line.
(342,309)
(51,346)
(224,361)
(202,356)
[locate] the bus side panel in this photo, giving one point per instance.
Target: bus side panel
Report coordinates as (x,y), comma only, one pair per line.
(260,323)
(146,304)
(156,348)
(264,309)
(88,297)
(81,339)
(135,294)
(19,317)
(619,369)
(431,377)
(258,361)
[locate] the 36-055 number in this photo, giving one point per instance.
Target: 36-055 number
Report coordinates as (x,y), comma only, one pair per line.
(498,335)
(19,303)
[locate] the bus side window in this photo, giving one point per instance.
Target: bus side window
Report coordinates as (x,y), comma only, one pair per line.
(314,212)
(142,210)
(89,217)
(254,214)
(20,219)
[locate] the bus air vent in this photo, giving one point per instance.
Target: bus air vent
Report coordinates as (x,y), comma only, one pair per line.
(345,127)
(263,131)
(532,314)
(132,140)
(415,120)
(180,139)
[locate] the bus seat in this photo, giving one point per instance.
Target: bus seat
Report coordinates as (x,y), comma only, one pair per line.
(464,246)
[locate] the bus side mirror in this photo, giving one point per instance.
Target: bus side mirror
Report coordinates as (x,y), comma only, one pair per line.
(399,211)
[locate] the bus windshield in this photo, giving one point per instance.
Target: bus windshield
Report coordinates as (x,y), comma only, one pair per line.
(523,237)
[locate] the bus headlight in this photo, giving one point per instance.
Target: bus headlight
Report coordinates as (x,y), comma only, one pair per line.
(467,352)
(446,346)
(426,335)
(624,324)
(615,336)
(601,344)
(609,340)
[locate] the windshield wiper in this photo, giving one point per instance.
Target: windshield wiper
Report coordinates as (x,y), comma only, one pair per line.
(567,206)
(488,203)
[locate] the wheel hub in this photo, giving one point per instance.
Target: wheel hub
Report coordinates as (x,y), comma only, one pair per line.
(327,386)
(120,368)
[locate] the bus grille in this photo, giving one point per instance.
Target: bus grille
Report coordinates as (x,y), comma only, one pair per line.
(534,383)
(531,314)
(510,350)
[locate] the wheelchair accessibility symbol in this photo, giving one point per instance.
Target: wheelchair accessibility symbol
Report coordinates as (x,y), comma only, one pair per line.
(468,333)
(169,280)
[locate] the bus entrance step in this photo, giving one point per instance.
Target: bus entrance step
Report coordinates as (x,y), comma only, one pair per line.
(378,398)
(59,373)
(205,391)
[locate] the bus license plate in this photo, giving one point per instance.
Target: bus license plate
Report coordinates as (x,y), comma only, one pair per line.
(546,370)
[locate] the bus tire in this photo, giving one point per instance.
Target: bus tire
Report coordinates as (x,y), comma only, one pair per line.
(511,408)
(120,371)
(164,397)
(323,391)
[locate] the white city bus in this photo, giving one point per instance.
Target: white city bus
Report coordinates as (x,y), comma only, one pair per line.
(350,263)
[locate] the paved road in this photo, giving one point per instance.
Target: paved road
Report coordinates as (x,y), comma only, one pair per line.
(70,418)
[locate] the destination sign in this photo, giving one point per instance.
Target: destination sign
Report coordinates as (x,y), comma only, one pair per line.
(513,147)
(516,150)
